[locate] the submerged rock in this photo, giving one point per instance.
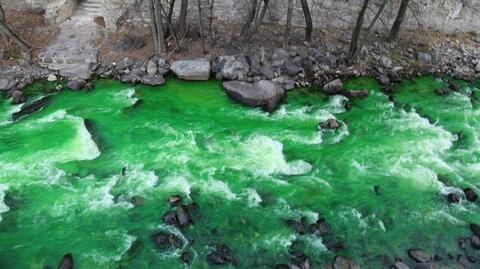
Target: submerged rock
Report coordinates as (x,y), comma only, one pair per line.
(333,87)
(344,263)
(265,94)
(466,262)
(76,85)
(175,199)
(192,69)
(442,92)
(330,124)
(67,262)
(221,256)
(320,228)
(182,216)
(453,198)
(297,226)
(470,194)
(475,229)
(32,108)
(166,240)
(475,242)
(18,97)
(170,218)
(400,265)
(356,93)
(419,255)
(153,80)
(187,257)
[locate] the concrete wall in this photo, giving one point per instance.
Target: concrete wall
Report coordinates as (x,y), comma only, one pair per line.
(443,15)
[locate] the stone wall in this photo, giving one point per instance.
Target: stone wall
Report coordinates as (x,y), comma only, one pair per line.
(443,15)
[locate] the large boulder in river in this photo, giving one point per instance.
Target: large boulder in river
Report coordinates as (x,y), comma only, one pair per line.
(333,87)
(192,69)
(233,67)
(76,84)
(155,80)
(265,94)
(470,194)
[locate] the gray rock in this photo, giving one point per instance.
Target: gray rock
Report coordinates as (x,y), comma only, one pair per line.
(152,68)
(344,263)
(67,262)
(162,63)
(7,83)
(192,69)
(233,67)
(419,255)
(18,97)
(125,63)
(76,85)
(265,94)
(384,79)
(153,80)
(424,58)
(386,62)
(477,68)
(128,43)
(475,242)
(254,58)
(2,54)
(267,71)
(76,71)
(333,87)
(400,265)
(292,69)
(330,124)
(129,78)
(302,52)
(477,38)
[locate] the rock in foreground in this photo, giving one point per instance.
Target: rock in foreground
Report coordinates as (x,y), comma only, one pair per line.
(67,262)
(264,94)
(192,69)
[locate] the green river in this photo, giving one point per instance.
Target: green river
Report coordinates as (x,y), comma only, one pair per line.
(380,181)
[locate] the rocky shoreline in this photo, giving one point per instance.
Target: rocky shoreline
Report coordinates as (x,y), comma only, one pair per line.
(296,67)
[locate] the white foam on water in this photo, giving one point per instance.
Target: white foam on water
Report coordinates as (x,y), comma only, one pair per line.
(126,97)
(3,207)
(103,256)
(314,244)
(175,253)
(136,181)
(264,156)
(252,197)
(6,118)
(217,188)
(178,184)
(283,210)
(336,104)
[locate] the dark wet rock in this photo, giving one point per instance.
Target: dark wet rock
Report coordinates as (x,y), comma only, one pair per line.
(453,198)
(419,255)
(282,266)
(76,85)
(233,67)
(170,218)
(166,240)
(18,97)
(221,256)
(134,251)
(67,262)
(388,90)
(129,43)
(7,83)
(356,93)
(89,86)
(297,226)
(264,94)
(192,207)
(292,69)
(31,108)
(442,92)
(187,257)
(151,68)
(198,69)
(175,199)
(344,263)
(330,124)
(182,216)
(384,79)
(320,228)
(427,265)
(153,80)
(334,246)
(333,87)
(470,194)
(400,265)
(136,201)
(475,229)
(376,189)
(462,242)
(466,262)
(475,242)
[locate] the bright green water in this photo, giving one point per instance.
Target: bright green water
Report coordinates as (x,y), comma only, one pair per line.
(248,172)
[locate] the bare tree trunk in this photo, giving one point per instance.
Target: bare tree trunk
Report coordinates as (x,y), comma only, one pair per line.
(153,24)
(398,21)
(210,19)
(157,26)
(288,25)
(170,27)
(308,21)
(356,31)
(182,23)
(2,14)
(200,17)
(260,18)
(250,18)
(369,30)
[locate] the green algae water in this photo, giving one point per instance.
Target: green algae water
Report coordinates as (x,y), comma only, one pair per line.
(91,175)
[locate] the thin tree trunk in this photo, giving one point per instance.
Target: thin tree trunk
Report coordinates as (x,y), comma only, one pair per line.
(159,22)
(370,27)
(153,24)
(398,21)
(170,27)
(182,24)
(356,31)
(308,21)
(288,25)
(2,14)
(250,18)
(260,18)
(170,12)
(201,25)
(210,21)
